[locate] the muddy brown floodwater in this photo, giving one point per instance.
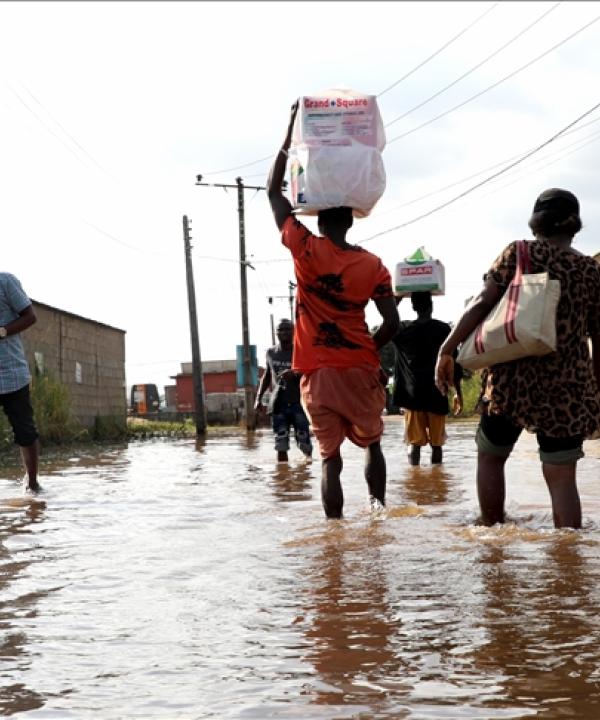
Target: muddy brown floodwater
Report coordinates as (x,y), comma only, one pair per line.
(169,580)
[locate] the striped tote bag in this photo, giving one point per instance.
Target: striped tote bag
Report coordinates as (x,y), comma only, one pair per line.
(522,324)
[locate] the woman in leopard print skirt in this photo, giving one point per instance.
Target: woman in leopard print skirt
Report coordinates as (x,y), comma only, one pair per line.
(557,395)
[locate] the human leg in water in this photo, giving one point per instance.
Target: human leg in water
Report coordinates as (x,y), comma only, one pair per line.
(566,505)
(436,455)
(281,430)
(414,456)
(331,486)
(491,487)
(375,472)
(302,432)
(30,455)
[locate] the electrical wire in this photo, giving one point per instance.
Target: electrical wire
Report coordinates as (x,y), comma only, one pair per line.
(39,119)
(590,137)
(64,130)
(273,260)
(393,85)
(475,67)
(593,138)
(220,259)
(238,167)
(439,50)
(496,84)
(476,174)
(485,181)
(120,242)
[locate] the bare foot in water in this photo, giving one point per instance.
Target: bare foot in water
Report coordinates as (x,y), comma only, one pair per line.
(31,488)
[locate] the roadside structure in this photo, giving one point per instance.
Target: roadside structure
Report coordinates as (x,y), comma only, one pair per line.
(85,355)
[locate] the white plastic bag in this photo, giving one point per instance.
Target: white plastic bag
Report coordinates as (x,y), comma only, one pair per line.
(335,156)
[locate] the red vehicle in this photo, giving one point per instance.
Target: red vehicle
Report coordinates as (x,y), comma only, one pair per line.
(144,399)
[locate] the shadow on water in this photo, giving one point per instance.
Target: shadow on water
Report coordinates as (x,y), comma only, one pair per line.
(16,518)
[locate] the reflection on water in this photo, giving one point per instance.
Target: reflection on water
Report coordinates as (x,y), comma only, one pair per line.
(427,485)
(541,626)
(18,601)
(291,483)
(199,579)
(350,623)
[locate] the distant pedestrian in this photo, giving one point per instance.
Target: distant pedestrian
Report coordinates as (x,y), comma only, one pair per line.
(342,386)
(16,315)
(284,404)
(557,395)
(425,408)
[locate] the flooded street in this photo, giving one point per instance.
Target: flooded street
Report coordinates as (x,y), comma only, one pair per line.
(169,580)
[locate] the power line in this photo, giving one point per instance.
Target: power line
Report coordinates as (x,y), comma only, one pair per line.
(239,167)
(483,182)
(39,119)
(145,251)
(475,67)
(479,172)
(494,85)
(276,260)
(594,137)
(71,138)
(120,242)
(468,100)
(439,50)
(397,82)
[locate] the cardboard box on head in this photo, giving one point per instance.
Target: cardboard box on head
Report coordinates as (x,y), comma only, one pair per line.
(419,273)
(335,155)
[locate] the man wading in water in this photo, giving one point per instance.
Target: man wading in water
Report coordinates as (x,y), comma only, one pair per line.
(342,384)
(284,404)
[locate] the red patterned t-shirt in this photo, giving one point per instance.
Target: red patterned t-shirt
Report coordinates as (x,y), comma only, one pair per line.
(334,286)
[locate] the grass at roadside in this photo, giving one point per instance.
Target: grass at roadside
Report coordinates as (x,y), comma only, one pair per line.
(141,429)
(471,388)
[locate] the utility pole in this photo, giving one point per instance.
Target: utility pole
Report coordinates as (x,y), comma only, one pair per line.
(292,287)
(197,378)
(290,298)
(272,322)
(247,365)
(248,388)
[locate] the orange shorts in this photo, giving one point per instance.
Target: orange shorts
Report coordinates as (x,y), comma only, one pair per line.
(424,428)
(343,403)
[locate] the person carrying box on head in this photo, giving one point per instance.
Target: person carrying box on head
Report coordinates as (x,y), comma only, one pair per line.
(425,408)
(342,387)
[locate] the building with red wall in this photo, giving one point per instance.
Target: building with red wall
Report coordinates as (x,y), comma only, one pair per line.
(220,376)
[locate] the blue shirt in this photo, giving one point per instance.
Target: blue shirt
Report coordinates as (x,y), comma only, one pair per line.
(14,370)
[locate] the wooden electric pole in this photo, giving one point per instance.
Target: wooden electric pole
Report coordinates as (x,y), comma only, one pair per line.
(290,298)
(292,287)
(272,322)
(197,378)
(247,364)
(248,387)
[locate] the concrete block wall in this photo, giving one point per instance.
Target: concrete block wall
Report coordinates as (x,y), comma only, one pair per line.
(87,356)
